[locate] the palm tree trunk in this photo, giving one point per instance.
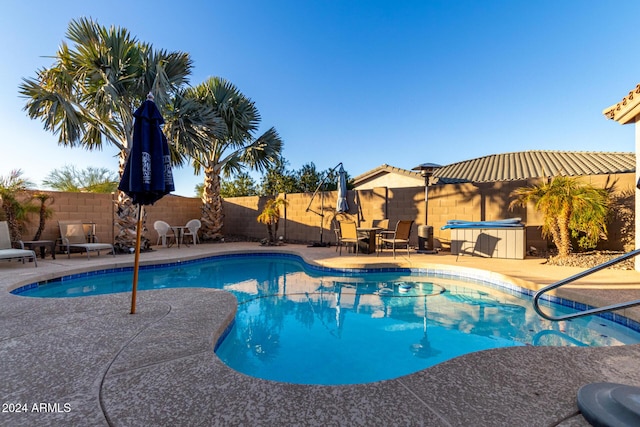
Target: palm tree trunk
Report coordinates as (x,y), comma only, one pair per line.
(554,230)
(43,216)
(212,216)
(270,231)
(564,246)
(274,238)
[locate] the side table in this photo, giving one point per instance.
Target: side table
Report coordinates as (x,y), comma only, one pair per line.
(42,244)
(178,231)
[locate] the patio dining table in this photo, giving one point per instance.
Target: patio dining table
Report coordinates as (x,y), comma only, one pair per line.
(368,246)
(178,231)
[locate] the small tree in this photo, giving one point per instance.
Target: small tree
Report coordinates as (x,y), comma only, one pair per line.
(270,216)
(14,212)
(308,178)
(242,185)
(570,208)
(277,179)
(89,180)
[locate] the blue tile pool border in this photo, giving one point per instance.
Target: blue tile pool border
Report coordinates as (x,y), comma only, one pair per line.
(477,277)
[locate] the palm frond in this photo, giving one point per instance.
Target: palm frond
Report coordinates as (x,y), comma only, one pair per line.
(264,151)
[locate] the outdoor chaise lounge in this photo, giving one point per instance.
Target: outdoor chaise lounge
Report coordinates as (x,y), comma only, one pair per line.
(73,236)
(6,249)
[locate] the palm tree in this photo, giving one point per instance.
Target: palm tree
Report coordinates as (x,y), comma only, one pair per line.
(11,187)
(568,207)
(270,216)
(590,216)
(230,152)
(87,97)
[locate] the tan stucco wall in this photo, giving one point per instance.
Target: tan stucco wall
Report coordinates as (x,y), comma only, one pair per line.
(99,209)
(474,202)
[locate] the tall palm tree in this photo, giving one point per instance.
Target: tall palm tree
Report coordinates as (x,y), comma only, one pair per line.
(568,206)
(88,96)
(229,153)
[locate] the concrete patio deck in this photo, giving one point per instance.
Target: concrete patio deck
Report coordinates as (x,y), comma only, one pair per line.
(87,361)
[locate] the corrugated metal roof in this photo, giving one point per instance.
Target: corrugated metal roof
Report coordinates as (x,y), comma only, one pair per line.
(535,164)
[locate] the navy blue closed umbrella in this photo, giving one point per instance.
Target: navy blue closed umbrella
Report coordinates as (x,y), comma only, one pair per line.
(342,205)
(147,174)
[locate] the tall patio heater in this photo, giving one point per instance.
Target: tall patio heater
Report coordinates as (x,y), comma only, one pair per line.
(425,232)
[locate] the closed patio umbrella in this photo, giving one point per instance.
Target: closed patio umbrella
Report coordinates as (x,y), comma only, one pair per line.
(342,205)
(147,174)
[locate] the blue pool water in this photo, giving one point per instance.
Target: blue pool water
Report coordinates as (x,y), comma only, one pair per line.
(302,324)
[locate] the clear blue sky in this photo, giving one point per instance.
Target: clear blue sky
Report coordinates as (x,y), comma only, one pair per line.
(362,82)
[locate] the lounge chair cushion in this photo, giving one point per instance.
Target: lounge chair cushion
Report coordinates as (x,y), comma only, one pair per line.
(6,249)
(73,236)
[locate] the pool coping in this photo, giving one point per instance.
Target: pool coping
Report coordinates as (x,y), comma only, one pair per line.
(483,277)
(157,367)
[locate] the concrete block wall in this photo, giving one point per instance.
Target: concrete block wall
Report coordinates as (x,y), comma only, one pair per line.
(372,204)
(406,204)
(240,217)
(86,207)
(317,224)
(296,224)
(473,202)
(300,225)
(176,210)
(100,210)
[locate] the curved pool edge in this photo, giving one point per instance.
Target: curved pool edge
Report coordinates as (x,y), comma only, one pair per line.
(509,386)
(503,282)
(185,383)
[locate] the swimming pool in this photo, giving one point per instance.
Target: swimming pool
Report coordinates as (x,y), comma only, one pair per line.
(304,324)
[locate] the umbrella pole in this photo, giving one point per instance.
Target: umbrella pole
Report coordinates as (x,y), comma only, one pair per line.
(321,218)
(136,263)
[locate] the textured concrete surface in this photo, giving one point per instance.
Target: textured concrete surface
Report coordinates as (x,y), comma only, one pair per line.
(87,361)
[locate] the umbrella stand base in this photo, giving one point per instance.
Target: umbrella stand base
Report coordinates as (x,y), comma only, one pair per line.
(319,245)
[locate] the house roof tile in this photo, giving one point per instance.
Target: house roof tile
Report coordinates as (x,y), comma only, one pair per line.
(382,169)
(534,164)
(626,110)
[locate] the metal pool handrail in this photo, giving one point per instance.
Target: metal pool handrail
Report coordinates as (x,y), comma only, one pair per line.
(612,307)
